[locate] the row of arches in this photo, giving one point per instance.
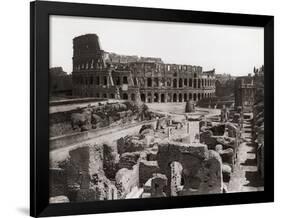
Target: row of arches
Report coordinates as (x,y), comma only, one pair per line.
(124,96)
(179,83)
(88,65)
(173,97)
(160,98)
(148,82)
(99,80)
(156,97)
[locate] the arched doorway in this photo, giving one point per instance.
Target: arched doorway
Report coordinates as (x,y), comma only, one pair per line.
(142,97)
(149,82)
(162,97)
(180,97)
(185,97)
(175,83)
(175,97)
(180,82)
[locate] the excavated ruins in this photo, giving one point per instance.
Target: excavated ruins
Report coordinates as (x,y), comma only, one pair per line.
(161,159)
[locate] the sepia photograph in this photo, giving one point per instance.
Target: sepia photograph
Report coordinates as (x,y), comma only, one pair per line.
(150,109)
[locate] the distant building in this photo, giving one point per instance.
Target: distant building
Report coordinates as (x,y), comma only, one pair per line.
(224,77)
(97,73)
(244,92)
(60,82)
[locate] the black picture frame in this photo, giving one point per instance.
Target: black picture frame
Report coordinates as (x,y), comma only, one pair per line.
(39,107)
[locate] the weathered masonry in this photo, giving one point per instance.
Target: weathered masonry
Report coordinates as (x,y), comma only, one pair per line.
(97,73)
(244,92)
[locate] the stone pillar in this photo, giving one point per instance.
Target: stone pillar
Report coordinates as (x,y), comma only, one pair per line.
(145,94)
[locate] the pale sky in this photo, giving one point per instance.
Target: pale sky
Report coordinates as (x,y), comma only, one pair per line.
(233,50)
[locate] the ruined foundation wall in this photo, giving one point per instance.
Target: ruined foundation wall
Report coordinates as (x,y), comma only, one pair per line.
(202,168)
(146,170)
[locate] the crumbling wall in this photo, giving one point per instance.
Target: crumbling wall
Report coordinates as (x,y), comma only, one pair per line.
(158,185)
(146,170)
(128,160)
(110,160)
(202,168)
(85,178)
(57,182)
(98,116)
(130,144)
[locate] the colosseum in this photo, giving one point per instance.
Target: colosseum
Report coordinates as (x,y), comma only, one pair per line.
(101,74)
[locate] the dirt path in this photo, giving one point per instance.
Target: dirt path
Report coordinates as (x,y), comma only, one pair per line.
(245,177)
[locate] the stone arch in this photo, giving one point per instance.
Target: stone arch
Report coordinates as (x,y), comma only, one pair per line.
(180,83)
(149,82)
(162,97)
(185,82)
(175,97)
(199,96)
(190,82)
(201,168)
(143,97)
(104,95)
(185,97)
(180,97)
(112,95)
(175,83)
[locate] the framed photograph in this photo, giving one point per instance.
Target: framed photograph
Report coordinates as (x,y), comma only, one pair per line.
(143,109)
